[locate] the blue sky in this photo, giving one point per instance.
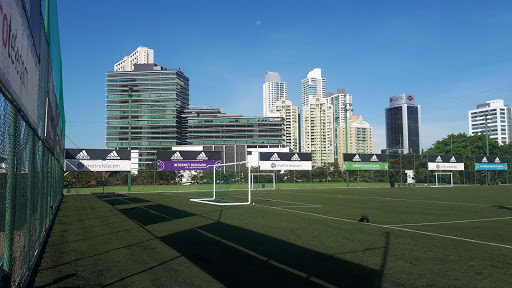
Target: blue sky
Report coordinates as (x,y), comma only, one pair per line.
(452,55)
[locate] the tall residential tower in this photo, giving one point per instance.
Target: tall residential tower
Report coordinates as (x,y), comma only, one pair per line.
(273,91)
(312,86)
(498,117)
(318,131)
(143,55)
(291,115)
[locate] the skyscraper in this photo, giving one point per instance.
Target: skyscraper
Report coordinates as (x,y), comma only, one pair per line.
(403,124)
(338,102)
(312,86)
(143,55)
(158,99)
(318,131)
(498,117)
(273,90)
(291,115)
(359,137)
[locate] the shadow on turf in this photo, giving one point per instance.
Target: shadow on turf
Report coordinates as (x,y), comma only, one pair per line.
(502,207)
(238,257)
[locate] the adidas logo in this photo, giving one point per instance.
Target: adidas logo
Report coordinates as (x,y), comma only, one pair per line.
(484,160)
(497,160)
(452,160)
(438,159)
(202,156)
(176,156)
(374,159)
(356,158)
(82,155)
(113,155)
(274,157)
(295,158)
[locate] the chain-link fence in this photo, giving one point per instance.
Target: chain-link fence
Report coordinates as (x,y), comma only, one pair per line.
(149,179)
(30,189)
(31,132)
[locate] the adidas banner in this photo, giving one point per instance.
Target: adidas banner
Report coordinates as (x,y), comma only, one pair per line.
(98,154)
(97,160)
(285,161)
(491,163)
(365,161)
(187,165)
(445,162)
(188,155)
(97,165)
(348,157)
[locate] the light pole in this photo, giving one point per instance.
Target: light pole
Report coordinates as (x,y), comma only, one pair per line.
(487,145)
(130,88)
(346,133)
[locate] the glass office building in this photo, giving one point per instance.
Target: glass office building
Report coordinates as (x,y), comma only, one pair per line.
(211,126)
(403,125)
(159,98)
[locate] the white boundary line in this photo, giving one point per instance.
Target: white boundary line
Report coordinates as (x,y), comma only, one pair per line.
(391,227)
(306,205)
(393,199)
(449,222)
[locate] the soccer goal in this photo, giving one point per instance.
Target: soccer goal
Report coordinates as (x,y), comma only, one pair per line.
(444,179)
(263,181)
(230,185)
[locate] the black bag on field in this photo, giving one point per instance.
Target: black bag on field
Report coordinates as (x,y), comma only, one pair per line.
(364,219)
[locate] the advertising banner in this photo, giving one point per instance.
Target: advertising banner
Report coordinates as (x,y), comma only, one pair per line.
(189,155)
(97,165)
(97,160)
(186,165)
(491,166)
(445,166)
(365,165)
(20,70)
(285,161)
(445,162)
(365,161)
(98,154)
(498,163)
(286,165)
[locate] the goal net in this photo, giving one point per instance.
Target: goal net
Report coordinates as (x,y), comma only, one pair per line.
(444,179)
(263,181)
(230,184)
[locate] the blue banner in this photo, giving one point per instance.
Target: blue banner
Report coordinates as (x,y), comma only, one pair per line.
(491,166)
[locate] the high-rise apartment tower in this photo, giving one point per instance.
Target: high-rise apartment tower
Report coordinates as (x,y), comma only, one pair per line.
(498,117)
(312,86)
(291,115)
(273,91)
(318,131)
(143,55)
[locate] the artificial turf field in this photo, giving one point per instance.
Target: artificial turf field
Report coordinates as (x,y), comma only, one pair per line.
(418,237)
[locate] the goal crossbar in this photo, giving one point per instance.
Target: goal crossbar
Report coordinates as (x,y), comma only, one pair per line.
(263,174)
(210,200)
(444,173)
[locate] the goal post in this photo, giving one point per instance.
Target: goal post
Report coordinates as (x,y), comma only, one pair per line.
(439,178)
(262,180)
(231,185)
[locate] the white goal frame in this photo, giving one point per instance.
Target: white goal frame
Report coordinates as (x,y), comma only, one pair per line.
(257,174)
(210,200)
(441,173)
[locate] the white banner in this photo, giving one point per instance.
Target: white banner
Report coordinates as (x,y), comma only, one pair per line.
(97,165)
(20,71)
(445,166)
(285,165)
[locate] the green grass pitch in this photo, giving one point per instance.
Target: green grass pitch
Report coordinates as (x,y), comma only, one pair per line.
(417,237)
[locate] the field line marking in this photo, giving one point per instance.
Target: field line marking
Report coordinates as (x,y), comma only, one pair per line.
(449,222)
(394,199)
(300,203)
(391,227)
